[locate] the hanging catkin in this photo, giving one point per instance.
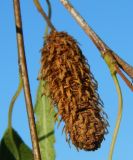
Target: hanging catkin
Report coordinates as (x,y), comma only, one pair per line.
(73,90)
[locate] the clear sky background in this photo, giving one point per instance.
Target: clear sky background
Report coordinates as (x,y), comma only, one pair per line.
(113,22)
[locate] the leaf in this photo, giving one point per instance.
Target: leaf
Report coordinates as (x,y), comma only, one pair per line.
(45,124)
(8,151)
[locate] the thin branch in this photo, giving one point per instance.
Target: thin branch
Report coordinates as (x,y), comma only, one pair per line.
(129,84)
(87,29)
(102,47)
(128,69)
(118,121)
(40,9)
(25,80)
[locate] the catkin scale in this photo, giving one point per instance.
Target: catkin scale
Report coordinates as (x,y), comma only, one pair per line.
(73,89)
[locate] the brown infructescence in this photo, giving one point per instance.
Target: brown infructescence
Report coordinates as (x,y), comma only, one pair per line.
(72,87)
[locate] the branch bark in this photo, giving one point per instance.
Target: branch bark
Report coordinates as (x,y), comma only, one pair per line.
(25,80)
(87,29)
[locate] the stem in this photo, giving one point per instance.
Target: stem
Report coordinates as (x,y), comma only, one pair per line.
(40,9)
(49,9)
(118,121)
(19,89)
(47,27)
(49,16)
(25,80)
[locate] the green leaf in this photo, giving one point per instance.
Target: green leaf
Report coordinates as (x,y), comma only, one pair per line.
(10,152)
(45,124)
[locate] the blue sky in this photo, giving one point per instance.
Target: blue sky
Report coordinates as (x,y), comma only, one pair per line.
(112,20)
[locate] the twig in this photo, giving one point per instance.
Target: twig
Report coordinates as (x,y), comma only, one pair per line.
(118,121)
(128,69)
(25,80)
(88,30)
(40,9)
(102,47)
(129,84)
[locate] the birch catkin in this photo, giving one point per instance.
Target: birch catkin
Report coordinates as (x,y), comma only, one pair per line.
(73,89)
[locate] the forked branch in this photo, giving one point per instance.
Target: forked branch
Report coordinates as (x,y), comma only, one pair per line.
(102,47)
